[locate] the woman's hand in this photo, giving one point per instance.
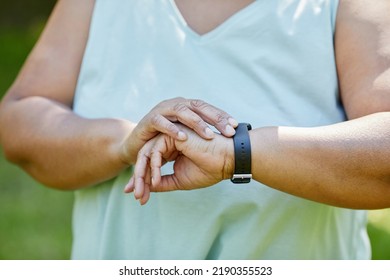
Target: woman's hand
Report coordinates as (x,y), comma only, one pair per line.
(163,118)
(198,163)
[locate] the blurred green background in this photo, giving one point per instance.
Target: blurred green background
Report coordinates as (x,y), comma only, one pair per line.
(35,222)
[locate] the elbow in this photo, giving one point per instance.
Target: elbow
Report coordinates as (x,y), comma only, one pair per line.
(377,195)
(10,154)
(14,133)
(8,139)
(5,143)
(10,150)
(385,186)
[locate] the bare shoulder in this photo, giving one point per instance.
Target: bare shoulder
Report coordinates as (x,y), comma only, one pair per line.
(51,70)
(362,43)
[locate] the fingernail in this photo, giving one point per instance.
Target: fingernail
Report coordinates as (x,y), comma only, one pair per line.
(233,122)
(209,132)
(181,136)
(230,130)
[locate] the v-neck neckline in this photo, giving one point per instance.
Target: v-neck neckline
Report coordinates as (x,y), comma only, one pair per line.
(219,28)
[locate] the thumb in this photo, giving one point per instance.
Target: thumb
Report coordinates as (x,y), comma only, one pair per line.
(167,183)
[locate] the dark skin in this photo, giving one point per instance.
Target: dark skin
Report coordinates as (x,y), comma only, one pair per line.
(38,107)
(40,132)
(345,164)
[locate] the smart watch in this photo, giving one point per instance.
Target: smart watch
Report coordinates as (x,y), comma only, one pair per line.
(242,154)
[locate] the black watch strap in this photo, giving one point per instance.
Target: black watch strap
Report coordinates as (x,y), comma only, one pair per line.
(242,154)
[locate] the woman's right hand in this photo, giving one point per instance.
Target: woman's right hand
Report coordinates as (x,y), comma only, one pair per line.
(193,113)
(198,163)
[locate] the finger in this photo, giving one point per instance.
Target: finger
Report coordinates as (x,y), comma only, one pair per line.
(156,159)
(185,115)
(168,183)
(221,120)
(140,172)
(146,195)
(156,171)
(130,186)
(162,152)
(139,188)
(162,124)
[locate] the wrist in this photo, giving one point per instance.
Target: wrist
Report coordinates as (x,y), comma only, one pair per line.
(242,155)
(228,166)
(123,147)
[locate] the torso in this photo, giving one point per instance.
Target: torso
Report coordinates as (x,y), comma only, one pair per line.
(270,63)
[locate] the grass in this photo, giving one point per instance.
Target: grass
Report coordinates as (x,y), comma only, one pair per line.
(379,232)
(15,44)
(35,222)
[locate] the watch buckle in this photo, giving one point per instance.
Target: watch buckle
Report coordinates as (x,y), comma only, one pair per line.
(241,176)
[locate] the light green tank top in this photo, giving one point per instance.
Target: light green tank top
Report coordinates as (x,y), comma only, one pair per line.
(272,63)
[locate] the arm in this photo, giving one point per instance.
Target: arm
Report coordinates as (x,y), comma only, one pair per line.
(39,131)
(37,107)
(345,164)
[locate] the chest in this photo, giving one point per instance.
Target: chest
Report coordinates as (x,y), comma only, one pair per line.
(202,16)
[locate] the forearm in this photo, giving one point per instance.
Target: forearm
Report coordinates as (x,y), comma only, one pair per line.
(345,164)
(59,148)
